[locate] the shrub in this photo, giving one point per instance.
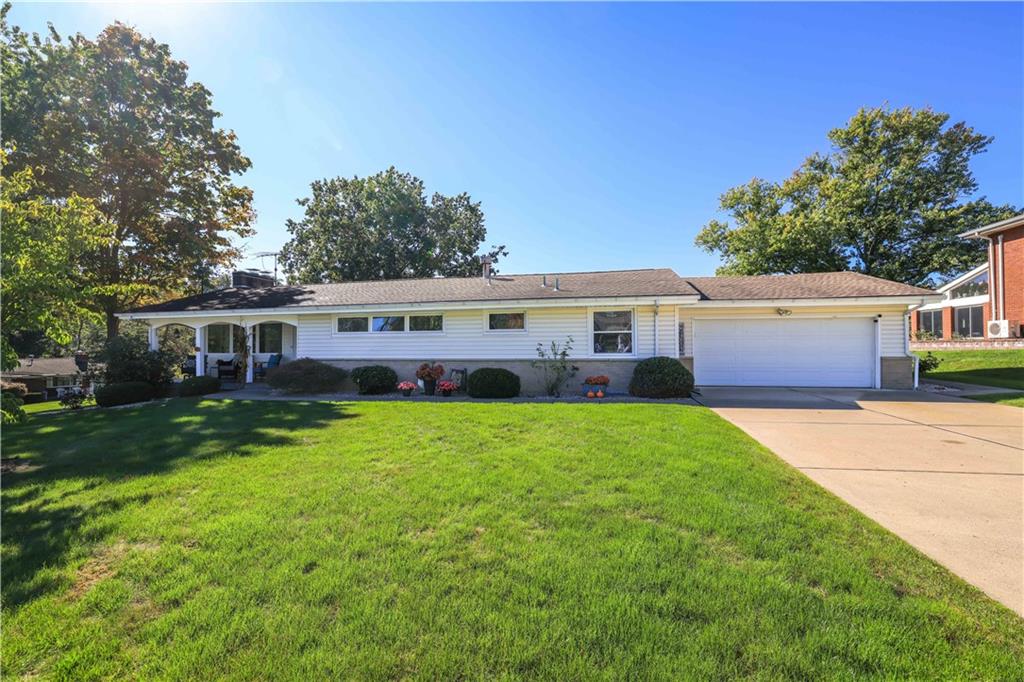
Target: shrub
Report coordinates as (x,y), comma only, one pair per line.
(929,363)
(661,377)
(126,359)
(492,382)
(74,399)
(124,393)
(11,408)
(555,366)
(374,379)
(33,397)
(306,376)
(199,386)
(14,387)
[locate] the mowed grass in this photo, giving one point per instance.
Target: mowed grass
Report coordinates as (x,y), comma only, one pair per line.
(1011,399)
(1003,368)
(46,406)
(298,541)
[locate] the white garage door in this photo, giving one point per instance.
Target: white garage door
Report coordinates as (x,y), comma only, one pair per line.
(784,352)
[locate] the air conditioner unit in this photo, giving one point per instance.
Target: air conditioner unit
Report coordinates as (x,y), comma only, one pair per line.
(1003,329)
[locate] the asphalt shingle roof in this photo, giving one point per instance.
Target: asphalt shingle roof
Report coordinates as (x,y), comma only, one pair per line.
(609,284)
(44,367)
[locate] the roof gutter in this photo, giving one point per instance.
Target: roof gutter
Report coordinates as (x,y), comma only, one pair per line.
(451,305)
(827,302)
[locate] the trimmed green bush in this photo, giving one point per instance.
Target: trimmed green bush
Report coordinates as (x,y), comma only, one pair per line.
(661,377)
(374,379)
(11,411)
(306,375)
(124,393)
(33,397)
(492,382)
(199,386)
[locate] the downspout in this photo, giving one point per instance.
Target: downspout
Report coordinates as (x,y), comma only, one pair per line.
(1002,281)
(655,327)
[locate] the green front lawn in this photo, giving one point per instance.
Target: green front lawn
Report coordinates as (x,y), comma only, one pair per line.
(1003,368)
(1012,399)
(47,406)
(284,540)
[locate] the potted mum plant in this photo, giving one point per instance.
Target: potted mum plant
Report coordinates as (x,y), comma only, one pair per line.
(406,387)
(429,374)
(446,387)
(596,385)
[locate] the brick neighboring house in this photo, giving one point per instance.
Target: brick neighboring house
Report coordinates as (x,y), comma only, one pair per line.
(48,377)
(976,303)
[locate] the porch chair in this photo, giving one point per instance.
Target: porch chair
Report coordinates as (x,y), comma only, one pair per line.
(273,361)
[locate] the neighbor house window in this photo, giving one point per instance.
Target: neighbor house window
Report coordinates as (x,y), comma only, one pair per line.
(970,321)
(270,337)
(353,324)
(978,286)
(930,321)
(426,323)
(392,323)
(218,338)
(506,322)
(613,331)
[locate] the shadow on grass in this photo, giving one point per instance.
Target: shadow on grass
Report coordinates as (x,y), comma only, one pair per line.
(113,445)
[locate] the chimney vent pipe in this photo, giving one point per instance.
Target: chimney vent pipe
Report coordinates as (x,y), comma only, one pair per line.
(556,284)
(485,262)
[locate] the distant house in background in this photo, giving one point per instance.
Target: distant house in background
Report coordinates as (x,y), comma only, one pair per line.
(48,377)
(987,302)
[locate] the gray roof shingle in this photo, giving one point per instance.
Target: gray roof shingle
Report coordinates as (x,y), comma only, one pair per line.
(808,285)
(608,284)
(44,367)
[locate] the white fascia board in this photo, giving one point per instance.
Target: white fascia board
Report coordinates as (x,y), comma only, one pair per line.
(401,307)
(957,302)
(831,302)
(986,230)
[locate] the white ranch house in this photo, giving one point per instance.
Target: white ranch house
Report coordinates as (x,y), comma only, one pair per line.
(839,329)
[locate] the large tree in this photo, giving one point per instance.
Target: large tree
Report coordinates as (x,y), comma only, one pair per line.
(43,286)
(383,227)
(888,200)
(116,121)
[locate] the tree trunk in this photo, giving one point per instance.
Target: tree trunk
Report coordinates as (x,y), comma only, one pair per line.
(113,323)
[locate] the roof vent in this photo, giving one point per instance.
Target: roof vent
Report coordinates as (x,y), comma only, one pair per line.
(544,282)
(556,284)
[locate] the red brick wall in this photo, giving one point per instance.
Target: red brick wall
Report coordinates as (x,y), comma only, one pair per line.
(1013,263)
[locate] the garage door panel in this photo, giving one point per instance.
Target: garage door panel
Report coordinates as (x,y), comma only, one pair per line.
(784,352)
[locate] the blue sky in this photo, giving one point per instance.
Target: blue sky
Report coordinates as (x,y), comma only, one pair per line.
(596,136)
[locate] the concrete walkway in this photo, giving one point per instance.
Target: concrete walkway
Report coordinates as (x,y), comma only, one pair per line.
(946,474)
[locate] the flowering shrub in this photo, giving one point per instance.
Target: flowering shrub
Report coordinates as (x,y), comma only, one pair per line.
(429,372)
(597,380)
(407,386)
(446,386)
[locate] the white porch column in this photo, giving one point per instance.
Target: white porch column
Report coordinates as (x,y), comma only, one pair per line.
(200,351)
(154,340)
(250,367)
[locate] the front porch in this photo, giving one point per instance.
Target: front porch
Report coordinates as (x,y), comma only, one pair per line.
(238,351)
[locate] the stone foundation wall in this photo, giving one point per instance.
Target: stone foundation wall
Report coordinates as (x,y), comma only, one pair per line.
(619,371)
(898,372)
(967,344)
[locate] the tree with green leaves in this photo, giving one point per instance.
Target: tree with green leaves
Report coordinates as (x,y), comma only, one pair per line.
(116,121)
(888,200)
(43,284)
(383,227)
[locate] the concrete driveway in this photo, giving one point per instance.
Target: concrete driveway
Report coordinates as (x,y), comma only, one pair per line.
(945,474)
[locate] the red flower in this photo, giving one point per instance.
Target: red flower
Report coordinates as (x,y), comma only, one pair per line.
(597,380)
(446,386)
(406,386)
(427,371)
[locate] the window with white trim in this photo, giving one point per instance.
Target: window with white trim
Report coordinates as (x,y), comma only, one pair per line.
(613,332)
(506,322)
(270,337)
(352,325)
(426,323)
(388,323)
(218,338)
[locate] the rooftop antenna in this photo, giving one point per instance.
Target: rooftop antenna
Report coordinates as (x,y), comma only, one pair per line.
(275,254)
